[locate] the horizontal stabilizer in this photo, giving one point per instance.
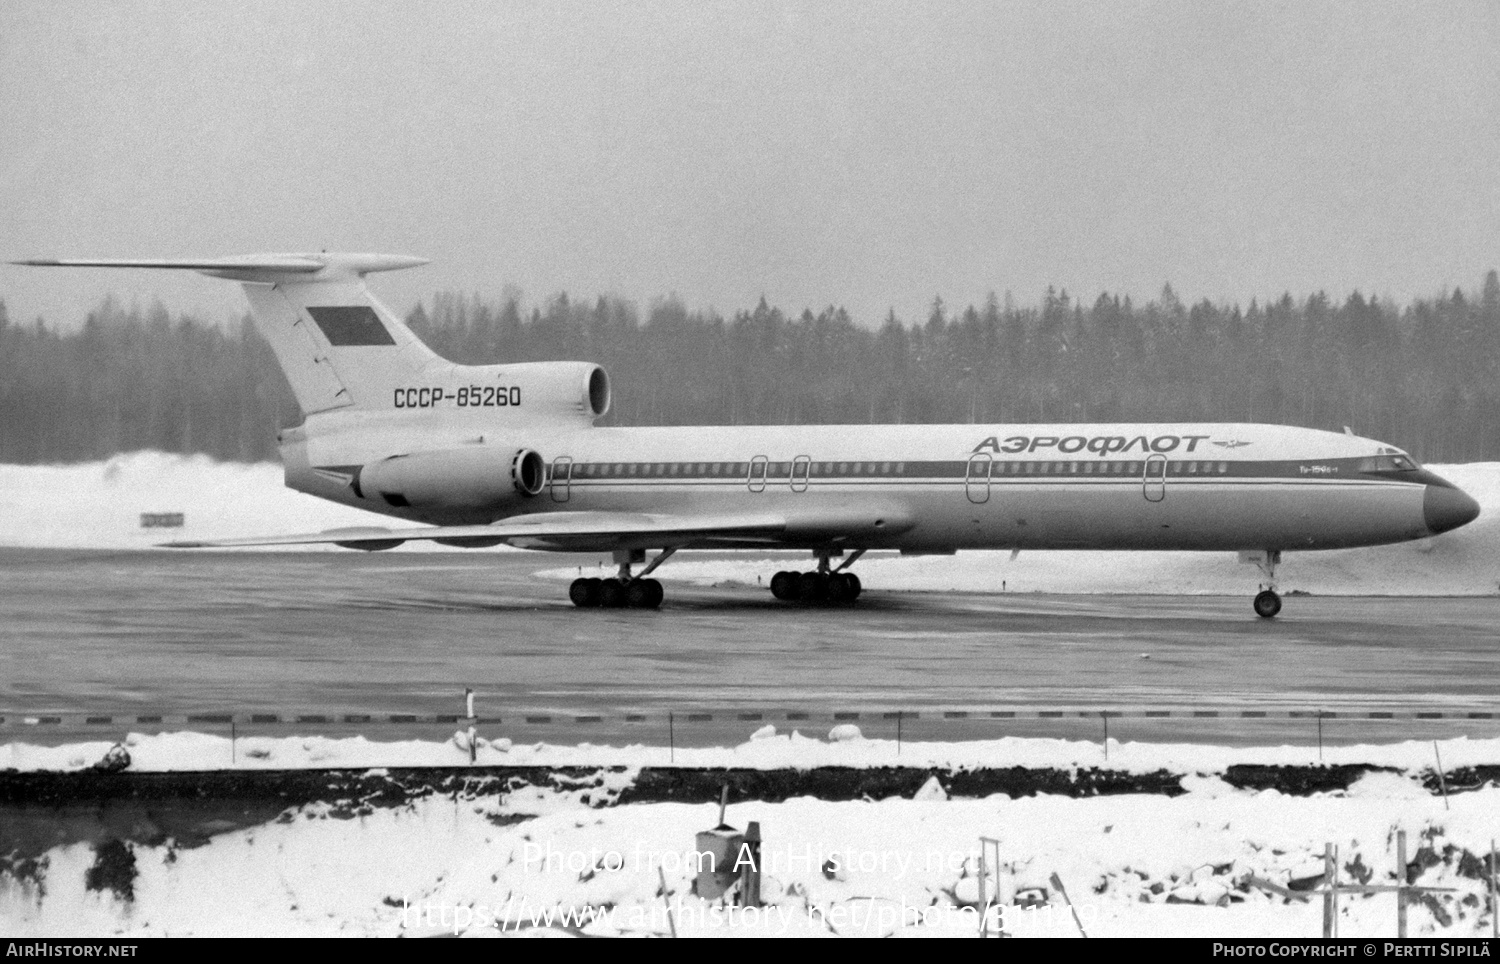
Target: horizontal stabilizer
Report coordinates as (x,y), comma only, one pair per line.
(268,268)
(584,531)
(337,345)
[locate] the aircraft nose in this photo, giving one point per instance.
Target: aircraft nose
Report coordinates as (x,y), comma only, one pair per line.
(1446,507)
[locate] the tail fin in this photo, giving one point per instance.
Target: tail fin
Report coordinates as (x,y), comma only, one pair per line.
(338,346)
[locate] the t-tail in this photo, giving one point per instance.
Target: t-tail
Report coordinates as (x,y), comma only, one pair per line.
(391,425)
(342,349)
(337,345)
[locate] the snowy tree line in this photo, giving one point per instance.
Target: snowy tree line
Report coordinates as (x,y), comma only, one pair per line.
(1425,376)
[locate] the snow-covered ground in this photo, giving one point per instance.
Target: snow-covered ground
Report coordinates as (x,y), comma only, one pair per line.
(766,749)
(98,505)
(542,860)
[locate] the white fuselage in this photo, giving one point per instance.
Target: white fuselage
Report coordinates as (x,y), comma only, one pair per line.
(935,488)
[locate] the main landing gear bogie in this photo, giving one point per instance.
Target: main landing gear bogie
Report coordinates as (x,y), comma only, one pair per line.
(614,593)
(833,587)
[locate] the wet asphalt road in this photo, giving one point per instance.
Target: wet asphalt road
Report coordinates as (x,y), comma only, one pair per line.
(189,632)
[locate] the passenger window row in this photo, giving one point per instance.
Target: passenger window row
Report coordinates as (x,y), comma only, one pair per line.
(1105,468)
(834,470)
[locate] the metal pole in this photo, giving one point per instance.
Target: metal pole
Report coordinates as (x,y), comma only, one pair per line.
(1057,885)
(983,873)
(1106,734)
(1320,736)
(1494,893)
(672,752)
(1329,908)
(1401,884)
(232,759)
(750,875)
(898,731)
(671,924)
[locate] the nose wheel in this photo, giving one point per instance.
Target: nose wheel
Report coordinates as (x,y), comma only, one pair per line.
(1267,603)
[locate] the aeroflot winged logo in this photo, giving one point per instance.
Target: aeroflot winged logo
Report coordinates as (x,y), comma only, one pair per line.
(1233,443)
(1098,444)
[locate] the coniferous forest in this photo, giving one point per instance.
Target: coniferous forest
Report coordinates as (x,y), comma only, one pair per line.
(1424,376)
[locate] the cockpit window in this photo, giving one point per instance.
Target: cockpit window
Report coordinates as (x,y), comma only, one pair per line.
(1395,462)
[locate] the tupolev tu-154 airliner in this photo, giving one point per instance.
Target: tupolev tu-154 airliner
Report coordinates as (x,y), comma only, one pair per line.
(479,455)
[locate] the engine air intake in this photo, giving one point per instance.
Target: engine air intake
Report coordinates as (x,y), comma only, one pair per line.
(528,472)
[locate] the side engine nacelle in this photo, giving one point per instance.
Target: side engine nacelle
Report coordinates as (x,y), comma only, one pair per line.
(474,477)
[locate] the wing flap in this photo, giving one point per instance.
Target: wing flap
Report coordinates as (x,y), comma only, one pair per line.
(552,530)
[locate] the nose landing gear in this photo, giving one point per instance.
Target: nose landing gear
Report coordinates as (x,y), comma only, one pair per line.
(1267,602)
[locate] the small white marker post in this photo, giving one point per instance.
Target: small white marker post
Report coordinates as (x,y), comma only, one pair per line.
(1442,780)
(983,904)
(985,845)
(473,721)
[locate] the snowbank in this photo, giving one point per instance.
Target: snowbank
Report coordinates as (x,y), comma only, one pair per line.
(521,863)
(764,750)
(98,505)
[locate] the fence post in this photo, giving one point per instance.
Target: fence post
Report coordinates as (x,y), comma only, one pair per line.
(1401,883)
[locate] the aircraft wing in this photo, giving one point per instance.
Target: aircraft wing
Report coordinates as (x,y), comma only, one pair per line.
(580,531)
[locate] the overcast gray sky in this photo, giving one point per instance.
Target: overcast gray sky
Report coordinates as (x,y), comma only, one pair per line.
(864,154)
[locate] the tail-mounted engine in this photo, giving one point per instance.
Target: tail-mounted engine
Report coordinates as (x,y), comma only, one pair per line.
(573,389)
(474,477)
